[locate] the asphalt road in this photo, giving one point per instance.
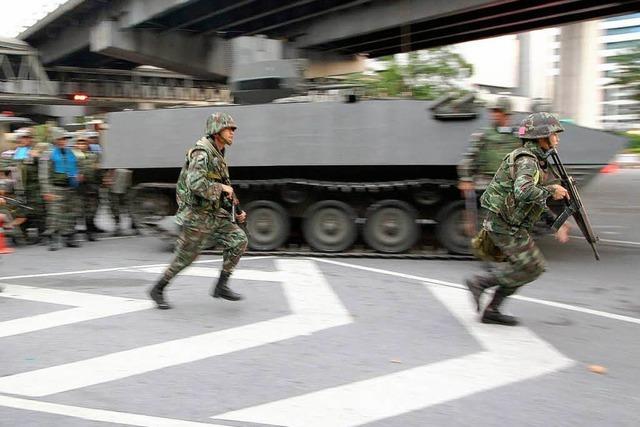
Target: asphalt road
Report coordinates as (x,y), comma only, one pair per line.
(323,342)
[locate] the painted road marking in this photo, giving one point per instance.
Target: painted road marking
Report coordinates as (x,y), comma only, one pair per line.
(314,307)
(99,414)
(243,274)
(511,355)
(104,270)
(428,280)
(86,307)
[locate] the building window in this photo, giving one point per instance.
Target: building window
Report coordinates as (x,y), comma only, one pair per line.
(621,17)
(622,45)
(610,94)
(625,30)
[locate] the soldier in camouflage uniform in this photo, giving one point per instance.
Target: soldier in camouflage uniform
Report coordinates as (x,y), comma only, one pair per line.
(89,167)
(516,198)
(59,181)
(204,209)
(25,160)
(487,149)
(12,215)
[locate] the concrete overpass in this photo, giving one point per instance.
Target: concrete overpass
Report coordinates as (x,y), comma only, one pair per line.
(195,37)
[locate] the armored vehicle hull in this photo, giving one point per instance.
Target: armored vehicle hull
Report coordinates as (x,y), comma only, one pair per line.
(379,173)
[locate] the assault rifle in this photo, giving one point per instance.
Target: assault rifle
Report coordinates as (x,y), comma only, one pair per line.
(235,210)
(16,202)
(573,206)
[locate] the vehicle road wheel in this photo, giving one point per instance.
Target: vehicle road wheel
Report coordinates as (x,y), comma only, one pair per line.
(450,230)
(391,226)
(268,225)
(149,206)
(329,226)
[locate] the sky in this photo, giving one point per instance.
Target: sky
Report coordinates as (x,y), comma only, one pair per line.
(19,14)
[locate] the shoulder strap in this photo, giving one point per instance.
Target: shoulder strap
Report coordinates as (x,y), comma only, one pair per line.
(512,159)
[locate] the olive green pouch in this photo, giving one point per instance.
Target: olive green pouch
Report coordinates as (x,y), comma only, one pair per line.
(483,248)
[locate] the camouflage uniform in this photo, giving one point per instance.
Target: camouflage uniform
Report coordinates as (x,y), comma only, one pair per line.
(482,159)
(61,212)
(89,167)
(516,199)
(484,155)
(11,212)
(25,162)
(487,149)
(202,214)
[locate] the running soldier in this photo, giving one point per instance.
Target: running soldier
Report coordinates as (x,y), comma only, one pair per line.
(515,199)
(205,210)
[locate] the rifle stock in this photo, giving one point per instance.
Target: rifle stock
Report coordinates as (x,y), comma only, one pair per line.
(574,206)
(471,212)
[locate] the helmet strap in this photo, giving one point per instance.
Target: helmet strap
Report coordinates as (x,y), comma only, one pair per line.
(223,139)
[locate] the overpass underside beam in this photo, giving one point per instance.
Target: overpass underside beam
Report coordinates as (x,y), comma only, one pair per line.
(396,33)
(197,56)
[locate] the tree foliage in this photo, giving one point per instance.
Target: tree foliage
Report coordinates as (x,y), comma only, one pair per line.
(425,74)
(627,72)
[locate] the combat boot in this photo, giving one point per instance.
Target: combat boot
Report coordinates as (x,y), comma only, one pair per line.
(157,294)
(492,313)
(477,285)
(221,290)
(54,242)
(70,241)
(134,228)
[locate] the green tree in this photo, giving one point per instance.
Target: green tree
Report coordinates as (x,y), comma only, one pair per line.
(425,74)
(627,72)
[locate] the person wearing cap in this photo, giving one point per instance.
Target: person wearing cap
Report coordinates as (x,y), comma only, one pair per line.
(59,178)
(26,158)
(515,200)
(88,189)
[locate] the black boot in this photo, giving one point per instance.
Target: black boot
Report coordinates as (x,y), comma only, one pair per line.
(90,236)
(156,294)
(70,241)
(221,290)
(54,242)
(492,313)
(477,284)
(135,229)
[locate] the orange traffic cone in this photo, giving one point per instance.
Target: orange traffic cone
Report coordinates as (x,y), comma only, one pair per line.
(4,249)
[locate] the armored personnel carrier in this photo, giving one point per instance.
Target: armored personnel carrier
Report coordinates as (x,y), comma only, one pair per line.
(377,175)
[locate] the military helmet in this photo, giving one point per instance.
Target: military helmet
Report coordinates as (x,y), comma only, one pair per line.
(539,125)
(503,104)
(218,121)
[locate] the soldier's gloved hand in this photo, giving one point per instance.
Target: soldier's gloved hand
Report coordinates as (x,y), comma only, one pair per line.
(228,190)
(49,197)
(558,192)
(241,217)
(562,235)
